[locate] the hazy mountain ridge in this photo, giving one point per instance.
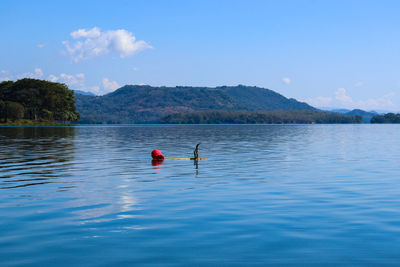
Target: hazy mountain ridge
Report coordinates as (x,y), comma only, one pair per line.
(147,104)
(366,115)
(83,93)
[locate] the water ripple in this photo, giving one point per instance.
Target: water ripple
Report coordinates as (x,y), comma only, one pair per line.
(268,194)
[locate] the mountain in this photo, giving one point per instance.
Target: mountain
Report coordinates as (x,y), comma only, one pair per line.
(340,110)
(147,104)
(364,114)
(83,92)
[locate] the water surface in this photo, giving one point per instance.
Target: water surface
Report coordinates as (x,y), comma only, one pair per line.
(268,194)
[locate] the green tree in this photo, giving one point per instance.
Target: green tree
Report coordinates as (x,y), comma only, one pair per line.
(387,118)
(47,114)
(41,99)
(3,113)
(273,116)
(14,111)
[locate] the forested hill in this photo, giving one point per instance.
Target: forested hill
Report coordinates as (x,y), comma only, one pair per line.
(36,100)
(147,104)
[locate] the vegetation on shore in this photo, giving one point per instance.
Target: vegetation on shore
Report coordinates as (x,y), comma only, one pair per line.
(36,102)
(40,122)
(366,116)
(387,118)
(260,117)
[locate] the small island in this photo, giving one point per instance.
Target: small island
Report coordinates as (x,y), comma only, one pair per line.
(36,102)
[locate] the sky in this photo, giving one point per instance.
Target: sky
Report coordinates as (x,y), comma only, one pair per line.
(330,54)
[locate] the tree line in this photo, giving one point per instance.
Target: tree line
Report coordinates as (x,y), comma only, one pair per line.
(387,118)
(262,117)
(34,99)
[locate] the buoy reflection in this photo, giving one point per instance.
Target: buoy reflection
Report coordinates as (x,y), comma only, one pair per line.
(155,162)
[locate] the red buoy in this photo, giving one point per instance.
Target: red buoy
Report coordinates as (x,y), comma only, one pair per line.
(157,155)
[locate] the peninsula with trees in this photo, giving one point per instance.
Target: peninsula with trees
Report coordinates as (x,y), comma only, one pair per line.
(33,101)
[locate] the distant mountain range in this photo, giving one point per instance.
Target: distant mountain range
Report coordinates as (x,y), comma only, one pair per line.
(79,92)
(147,104)
(366,115)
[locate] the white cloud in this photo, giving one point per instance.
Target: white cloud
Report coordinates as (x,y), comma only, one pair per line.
(92,33)
(80,76)
(383,102)
(73,81)
(96,43)
(36,74)
(76,81)
(95,89)
(342,100)
(110,85)
(41,45)
(286,80)
(4,76)
(52,78)
(135,69)
(319,101)
(340,95)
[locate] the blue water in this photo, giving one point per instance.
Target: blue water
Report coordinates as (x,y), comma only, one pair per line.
(268,194)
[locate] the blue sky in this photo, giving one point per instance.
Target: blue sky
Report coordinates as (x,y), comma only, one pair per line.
(342,54)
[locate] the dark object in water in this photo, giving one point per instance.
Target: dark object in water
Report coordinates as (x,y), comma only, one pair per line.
(196,152)
(158,156)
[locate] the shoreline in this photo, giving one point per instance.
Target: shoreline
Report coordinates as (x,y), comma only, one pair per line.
(31,123)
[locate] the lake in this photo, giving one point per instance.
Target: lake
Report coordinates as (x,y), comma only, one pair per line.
(268,194)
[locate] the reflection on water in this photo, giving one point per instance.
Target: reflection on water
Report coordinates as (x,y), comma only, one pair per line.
(268,194)
(34,155)
(157,162)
